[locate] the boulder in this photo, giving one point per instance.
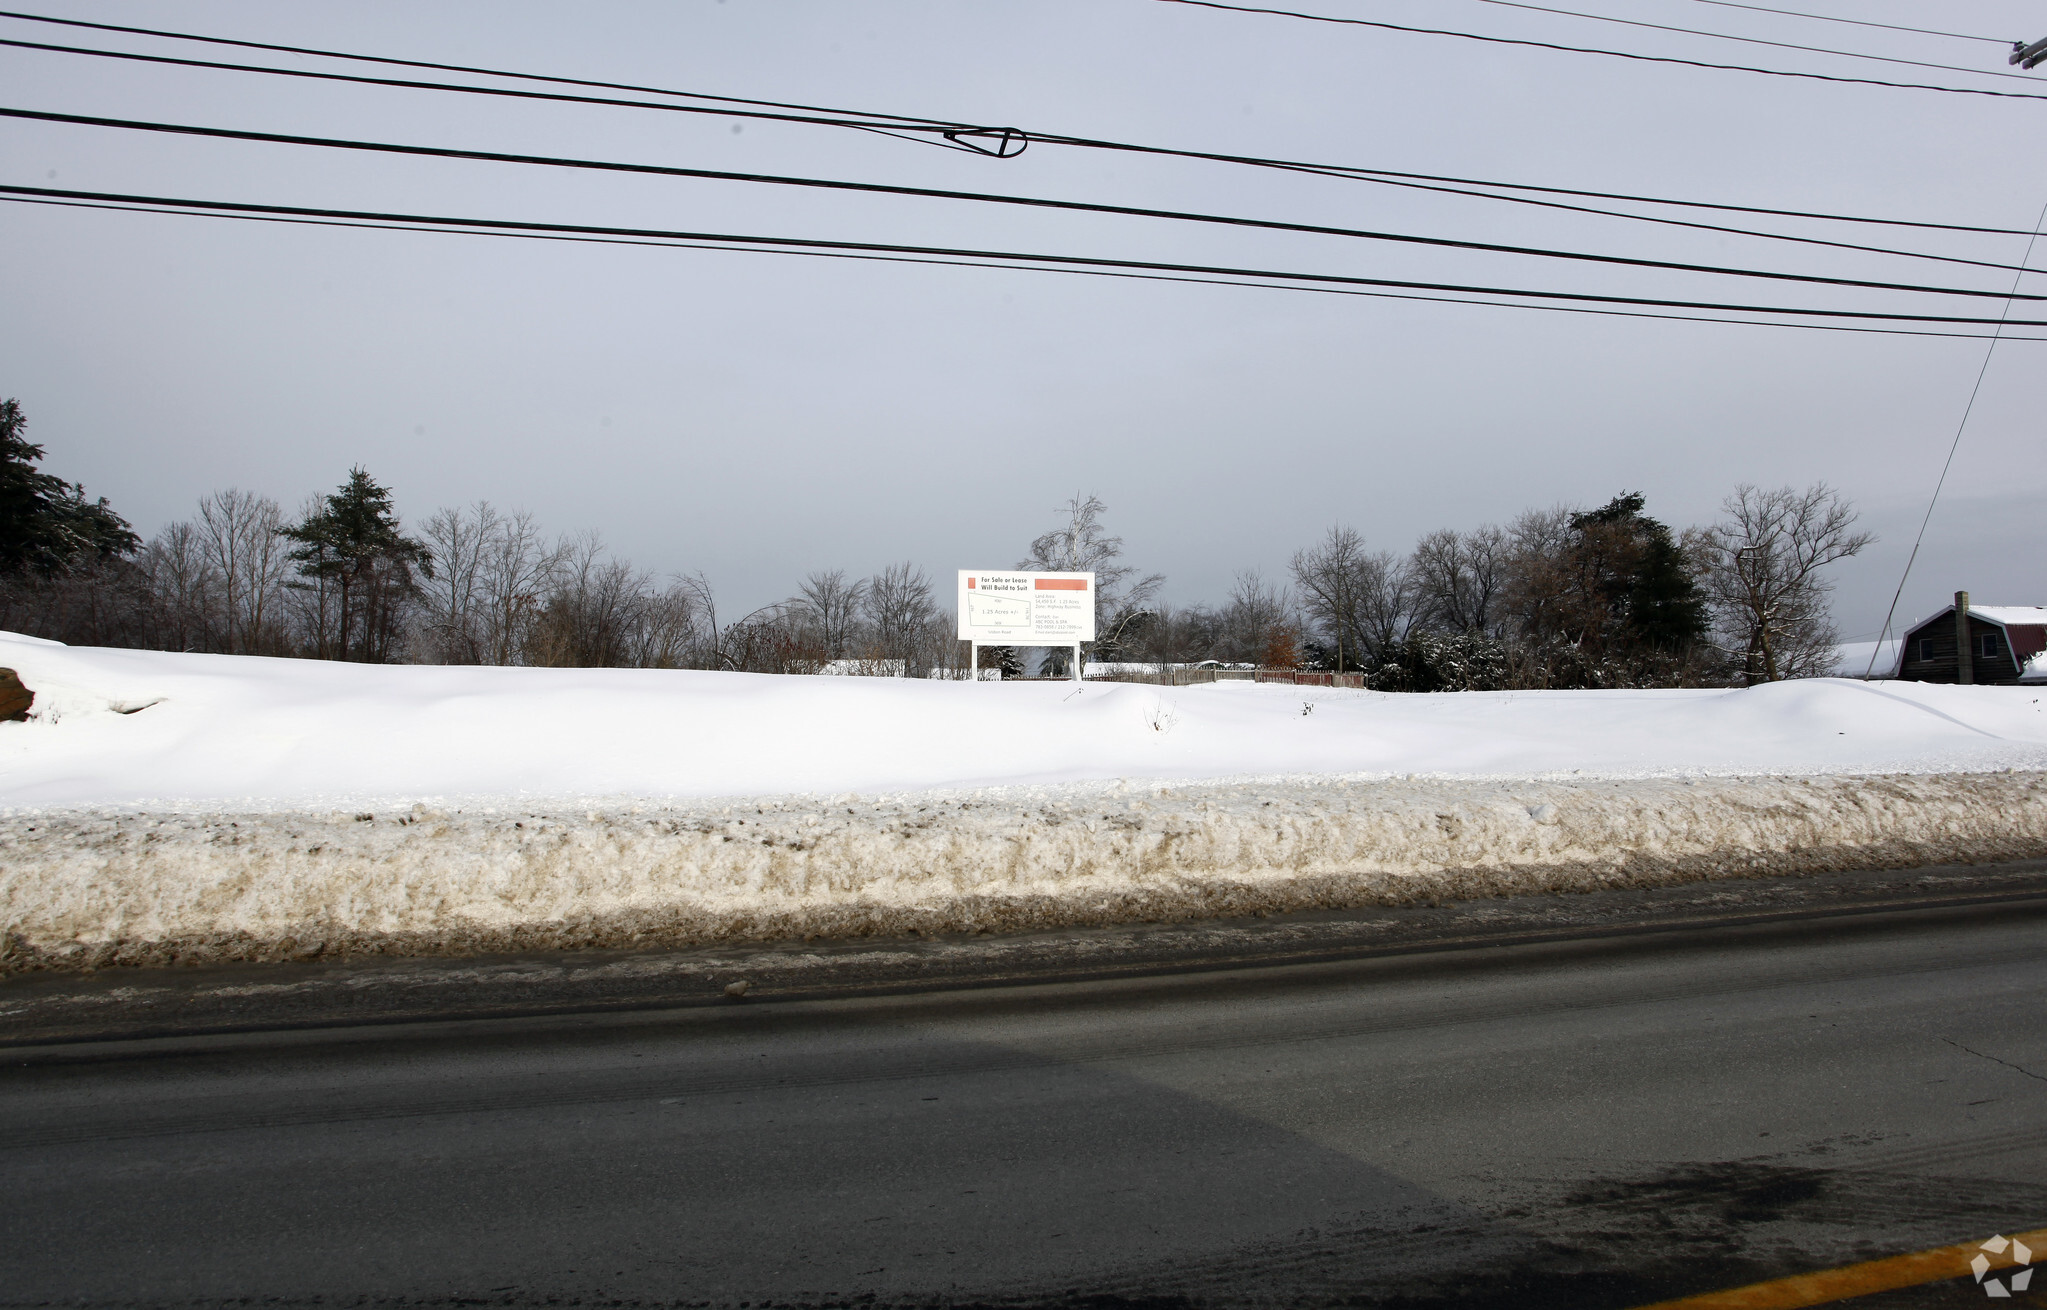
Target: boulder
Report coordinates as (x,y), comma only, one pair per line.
(14,698)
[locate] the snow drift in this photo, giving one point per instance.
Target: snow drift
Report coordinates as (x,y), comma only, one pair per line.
(150,729)
(179,807)
(101,887)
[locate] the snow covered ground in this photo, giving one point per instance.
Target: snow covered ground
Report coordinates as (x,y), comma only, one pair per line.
(203,807)
(144,729)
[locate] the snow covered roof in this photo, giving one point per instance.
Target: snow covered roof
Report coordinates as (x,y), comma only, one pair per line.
(2003,616)
(2009,614)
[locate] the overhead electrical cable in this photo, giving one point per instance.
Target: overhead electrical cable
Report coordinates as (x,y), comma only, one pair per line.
(1624,54)
(1692,224)
(958,133)
(1209,4)
(1749,40)
(1013,268)
(441,68)
(1852,22)
(1884,633)
(979,197)
(1368,174)
(1021,257)
(408,84)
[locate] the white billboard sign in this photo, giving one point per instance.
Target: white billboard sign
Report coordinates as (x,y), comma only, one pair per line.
(1005,608)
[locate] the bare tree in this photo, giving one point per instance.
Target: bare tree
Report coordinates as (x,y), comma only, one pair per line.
(1257,625)
(451,600)
(584,616)
(239,532)
(1387,609)
(831,606)
(708,647)
(186,585)
(515,566)
(1457,578)
(1328,576)
(1082,545)
(1762,576)
(900,607)
(664,632)
(1360,601)
(770,640)
(1536,575)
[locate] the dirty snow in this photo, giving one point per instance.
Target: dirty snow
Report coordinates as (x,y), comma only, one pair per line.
(190,807)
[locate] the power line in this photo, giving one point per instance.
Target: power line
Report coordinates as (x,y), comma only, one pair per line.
(1021,257)
(961,135)
(1949,462)
(1661,221)
(407,84)
(1013,268)
(447,68)
(1853,22)
(1622,54)
(1367,174)
(877,188)
(1748,40)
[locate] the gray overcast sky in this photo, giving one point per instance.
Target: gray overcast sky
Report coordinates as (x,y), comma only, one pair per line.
(758,416)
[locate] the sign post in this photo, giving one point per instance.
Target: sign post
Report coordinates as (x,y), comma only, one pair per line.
(1009,608)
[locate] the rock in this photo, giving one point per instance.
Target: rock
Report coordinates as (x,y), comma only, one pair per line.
(737,989)
(14,698)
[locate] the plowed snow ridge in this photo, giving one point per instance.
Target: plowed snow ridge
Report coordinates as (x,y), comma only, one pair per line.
(177,807)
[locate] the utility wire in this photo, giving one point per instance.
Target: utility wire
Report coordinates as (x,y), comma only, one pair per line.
(1013,268)
(1627,54)
(448,68)
(1853,22)
(945,252)
(877,188)
(1750,40)
(1961,427)
(897,125)
(408,84)
(1691,224)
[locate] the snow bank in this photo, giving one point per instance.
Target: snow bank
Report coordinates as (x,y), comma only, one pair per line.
(186,807)
(142,728)
(104,886)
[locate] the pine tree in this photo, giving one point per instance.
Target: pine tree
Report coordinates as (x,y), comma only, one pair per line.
(350,550)
(1634,585)
(47,523)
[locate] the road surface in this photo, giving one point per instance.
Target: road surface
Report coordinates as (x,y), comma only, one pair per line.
(1586,1123)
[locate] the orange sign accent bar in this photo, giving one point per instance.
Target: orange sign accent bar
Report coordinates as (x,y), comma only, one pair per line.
(1060,584)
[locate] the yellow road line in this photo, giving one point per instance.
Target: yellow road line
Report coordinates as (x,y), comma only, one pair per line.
(1856,1280)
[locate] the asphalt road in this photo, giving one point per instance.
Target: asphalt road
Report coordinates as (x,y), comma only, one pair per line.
(1589,1123)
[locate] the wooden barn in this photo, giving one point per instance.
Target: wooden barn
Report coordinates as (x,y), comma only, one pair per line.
(2004,643)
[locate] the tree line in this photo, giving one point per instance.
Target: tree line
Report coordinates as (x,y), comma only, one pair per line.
(1559,597)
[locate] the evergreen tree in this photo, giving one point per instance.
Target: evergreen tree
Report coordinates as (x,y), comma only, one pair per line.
(1634,585)
(46,523)
(351,553)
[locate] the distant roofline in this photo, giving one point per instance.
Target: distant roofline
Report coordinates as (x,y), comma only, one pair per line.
(2004,616)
